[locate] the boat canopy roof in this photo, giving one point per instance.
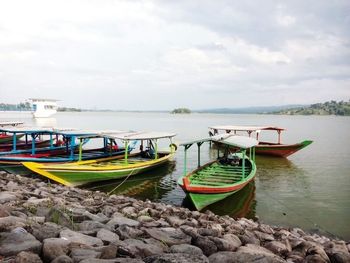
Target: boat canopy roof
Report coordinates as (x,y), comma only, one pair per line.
(243,142)
(130,136)
(26,129)
(10,123)
(246,128)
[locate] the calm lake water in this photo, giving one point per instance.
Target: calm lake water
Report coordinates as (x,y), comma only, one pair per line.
(310,189)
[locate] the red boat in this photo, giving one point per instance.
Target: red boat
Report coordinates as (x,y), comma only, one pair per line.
(277,149)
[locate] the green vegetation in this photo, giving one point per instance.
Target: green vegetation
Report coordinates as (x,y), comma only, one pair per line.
(341,108)
(15,107)
(68,109)
(181,111)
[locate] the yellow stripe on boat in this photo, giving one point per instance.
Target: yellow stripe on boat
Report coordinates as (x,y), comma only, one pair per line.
(36,168)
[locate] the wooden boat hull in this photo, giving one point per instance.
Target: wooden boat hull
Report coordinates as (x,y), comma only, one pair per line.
(12,163)
(217,183)
(80,173)
(4,138)
(280,150)
(22,145)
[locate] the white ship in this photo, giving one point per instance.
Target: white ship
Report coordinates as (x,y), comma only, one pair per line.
(44,108)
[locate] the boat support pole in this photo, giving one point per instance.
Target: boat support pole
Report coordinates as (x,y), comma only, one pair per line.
(126,145)
(156,148)
(14,141)
(80,149)
(199,144)
(33,144)
(243,163)
(187,146)
(51,141)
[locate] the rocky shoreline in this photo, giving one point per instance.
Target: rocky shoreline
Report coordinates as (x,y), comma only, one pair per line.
(41,222)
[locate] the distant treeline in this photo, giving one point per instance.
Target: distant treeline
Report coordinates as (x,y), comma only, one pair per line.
(341,108)
(68,109)
(23,106)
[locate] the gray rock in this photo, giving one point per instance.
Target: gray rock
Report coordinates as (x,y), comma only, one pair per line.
(168,235)
(337,251)
(6,197)
(109,252)
(126,232)
(176,258)
(319,251)
(223,244)
(233,239)
(120,220)
(27,257)
(277,247)
(62,259)
(263,236)
(79,238)
(208,232)
(315,259)
(115,260)
(14,242)
(140,249)
(54,247)
(254,253)
(89,225)
(266,229)
(5,211)
(186,249)
(145,219)
(129,211)
(205,244)
(175,221)
(79,254)
(10,222)
(47,230)
(107,236)
(249,238)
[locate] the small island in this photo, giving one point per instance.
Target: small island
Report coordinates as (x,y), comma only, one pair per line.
(181,111)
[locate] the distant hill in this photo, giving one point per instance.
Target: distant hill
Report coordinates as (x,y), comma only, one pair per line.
(341,108)
(250,110)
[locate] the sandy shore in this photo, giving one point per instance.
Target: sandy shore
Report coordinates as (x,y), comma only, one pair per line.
(41,222)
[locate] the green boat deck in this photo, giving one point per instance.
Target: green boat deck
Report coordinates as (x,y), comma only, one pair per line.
(219,175)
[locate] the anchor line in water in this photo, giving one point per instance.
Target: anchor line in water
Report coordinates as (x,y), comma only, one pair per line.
(305,218)
(126,178)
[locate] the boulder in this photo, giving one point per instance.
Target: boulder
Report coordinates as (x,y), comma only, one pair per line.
(6,197)
(205,244)
(186,249)
(17,241)
(79,238)
(62,259)
(120,220)
(79,254)
(27,257)
(107,236)
(176,258)
(46,230)
(54,247)
(140,249)
(168,235)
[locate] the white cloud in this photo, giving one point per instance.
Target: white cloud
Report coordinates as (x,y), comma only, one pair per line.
(213,52)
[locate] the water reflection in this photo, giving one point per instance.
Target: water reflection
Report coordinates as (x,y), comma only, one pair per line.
(45,122)
(149,185)
(240,204)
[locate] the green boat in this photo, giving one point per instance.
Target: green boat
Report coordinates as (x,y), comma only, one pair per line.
(84,172)
(226,175)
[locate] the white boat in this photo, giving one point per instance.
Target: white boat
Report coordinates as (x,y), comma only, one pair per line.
(44,108)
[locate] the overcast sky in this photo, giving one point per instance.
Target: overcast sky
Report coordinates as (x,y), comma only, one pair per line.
(159,55)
